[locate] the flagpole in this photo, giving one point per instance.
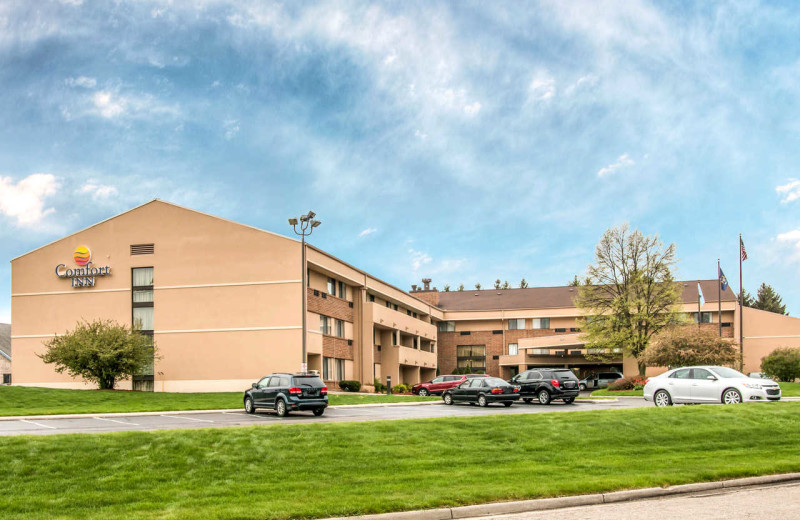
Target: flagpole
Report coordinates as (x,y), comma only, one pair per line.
(699,315)
(741,309)
(719,297)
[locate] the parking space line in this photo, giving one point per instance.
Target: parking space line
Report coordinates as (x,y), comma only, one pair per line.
(187,418)
(113,420)
(37,424)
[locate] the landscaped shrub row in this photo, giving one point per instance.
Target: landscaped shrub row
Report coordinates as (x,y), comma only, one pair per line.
(628,383)
(350,386)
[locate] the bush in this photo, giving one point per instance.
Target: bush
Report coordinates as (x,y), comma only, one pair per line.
(627,383)
(782,364)
(379,387)
(683,346)
(466,370)
(400,389)
(350,386)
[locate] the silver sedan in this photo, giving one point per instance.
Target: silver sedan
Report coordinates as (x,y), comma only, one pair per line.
(708,384)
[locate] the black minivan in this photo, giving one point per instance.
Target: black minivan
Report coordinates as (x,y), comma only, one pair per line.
(547,384)
(287,392)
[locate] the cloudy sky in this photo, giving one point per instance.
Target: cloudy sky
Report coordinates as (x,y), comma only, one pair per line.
(464,141)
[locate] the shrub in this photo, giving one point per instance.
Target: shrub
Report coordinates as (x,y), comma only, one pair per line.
(400,389)
(466,370)
(782,364)
(379,387)
(350,386)
(682,346)
(627,383)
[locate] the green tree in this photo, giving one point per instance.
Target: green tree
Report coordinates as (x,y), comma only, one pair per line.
(102,352)
(446,287)
(461,287)
(688,345)
(575,282)
(749,301)
(506,285)
(633,295)
(768,300)
(782,364)
(478,286)
(523,284)
(497,283)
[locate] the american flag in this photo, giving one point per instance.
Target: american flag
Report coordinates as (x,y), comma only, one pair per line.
(743,250)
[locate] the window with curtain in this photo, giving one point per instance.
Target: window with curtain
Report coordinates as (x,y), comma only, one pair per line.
(331,286)
(324,324)
(143,277)
(339,369)
(513,349)
(541,323)
(326,369)
(339,328)
(516,324)
(143,318)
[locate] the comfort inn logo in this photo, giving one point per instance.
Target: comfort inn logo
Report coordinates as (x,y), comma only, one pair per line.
(86,273)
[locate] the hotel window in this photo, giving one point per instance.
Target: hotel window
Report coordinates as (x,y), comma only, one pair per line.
(540,323)
(513,349)
(324,324)
(339,369)
(447,326)
(331,286)
(389,305)
(472,357)
(342,291)
(371,297)
(339,328)
(706,317)
(326,369)
(142,318)
(394,306)
(408,311)
(414,314)
(518,324)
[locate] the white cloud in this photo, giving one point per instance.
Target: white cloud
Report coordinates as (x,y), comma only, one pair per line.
(789,191)
(367,231)
(98,191)
(472,109)
(25,200)
(542,87)
(108,105)
(81,81)
(624,161)
(111,104)
(231,128)
(418,259)
(792,240)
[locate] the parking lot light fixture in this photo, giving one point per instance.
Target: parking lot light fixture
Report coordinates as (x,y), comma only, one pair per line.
(306,226)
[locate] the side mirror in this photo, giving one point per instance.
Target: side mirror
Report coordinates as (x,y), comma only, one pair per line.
(515,378)
(255,385)
(711,378)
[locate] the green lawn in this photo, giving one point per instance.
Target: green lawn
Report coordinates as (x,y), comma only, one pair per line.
(19,400)
(331,469)
(788,389)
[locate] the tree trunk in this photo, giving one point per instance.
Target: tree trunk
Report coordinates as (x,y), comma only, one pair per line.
(642,368)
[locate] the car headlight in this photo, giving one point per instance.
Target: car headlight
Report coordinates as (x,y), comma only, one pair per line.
(754,386)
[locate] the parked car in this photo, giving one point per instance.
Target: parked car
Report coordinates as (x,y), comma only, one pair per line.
(482,390)
(286,393)
(599,380)
(438,385)
(708,384)
(547,384)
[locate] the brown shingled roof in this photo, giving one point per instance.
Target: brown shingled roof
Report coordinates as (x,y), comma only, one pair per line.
(550,297)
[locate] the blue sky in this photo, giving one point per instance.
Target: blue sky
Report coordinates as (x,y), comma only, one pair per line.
(464,141)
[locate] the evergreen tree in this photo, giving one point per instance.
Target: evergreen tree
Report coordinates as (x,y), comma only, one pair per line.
(575,282)
(497,283)
(478,286)
(446,287)
(506,285)
(461,287)
(523,284)
(769,300)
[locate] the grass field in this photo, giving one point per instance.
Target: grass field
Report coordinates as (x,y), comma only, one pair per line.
(331,469)
(788,390)
(19,400)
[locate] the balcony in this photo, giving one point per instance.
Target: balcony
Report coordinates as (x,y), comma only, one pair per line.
(392,319)
(415,357)
(515,360)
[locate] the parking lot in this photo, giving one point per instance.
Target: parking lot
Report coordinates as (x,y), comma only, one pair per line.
(101,423)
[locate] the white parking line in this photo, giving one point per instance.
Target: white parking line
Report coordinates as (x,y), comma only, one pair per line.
(114,420)
(37,424)
(187,418)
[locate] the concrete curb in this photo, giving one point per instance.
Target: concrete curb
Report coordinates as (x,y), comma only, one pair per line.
(184,412)
(543,504)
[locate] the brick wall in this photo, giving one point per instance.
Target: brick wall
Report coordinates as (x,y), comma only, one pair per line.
(432,297)
(448,341)
(330,306)
(334,347)
(376,354)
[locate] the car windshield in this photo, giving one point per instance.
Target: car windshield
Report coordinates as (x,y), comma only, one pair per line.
(495,381)
(727,372)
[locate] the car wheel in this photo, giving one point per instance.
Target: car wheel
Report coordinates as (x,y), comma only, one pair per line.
(507,404)
(319,411)
(569,400)
(482,401)
(424,392)
(280,408)
(662,398)
(544,397)
(249,407)
(448,399)
(731,396)
(528,400)
(582,387)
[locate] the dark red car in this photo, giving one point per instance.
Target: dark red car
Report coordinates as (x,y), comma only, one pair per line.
(438,385)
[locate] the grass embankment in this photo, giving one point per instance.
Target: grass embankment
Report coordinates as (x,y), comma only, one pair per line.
(332,469)
(19,400)
(787,389)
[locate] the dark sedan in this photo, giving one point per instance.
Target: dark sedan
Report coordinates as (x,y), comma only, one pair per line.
(482,390)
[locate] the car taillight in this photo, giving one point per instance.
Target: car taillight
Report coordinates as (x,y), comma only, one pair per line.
(323,390)
(516,389)
(554,382)
(295,390)
(497,390)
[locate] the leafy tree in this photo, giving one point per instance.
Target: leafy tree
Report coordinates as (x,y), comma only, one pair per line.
(461,287)
(688,345)
(633,295)
(102,352)
(782,364)
(523,284)
(446,287)
(768,300)
(497,283)
(575,282)
(506,285)
(478,286)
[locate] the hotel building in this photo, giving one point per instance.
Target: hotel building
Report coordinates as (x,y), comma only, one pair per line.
(222,301)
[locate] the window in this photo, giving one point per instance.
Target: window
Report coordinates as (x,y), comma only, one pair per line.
(439,379)
(142,319)
(339,369)
(699,373)
(326,369)
(414,314)
(540,323)
(408,311)
(142,277)
(518,324)
(683,373)
(331,286)
(274,382)
(388,305)
(447,326)
(339,328)
(705,317)
(513,349)
(342,291)
(472,357)
(264,382)
(394,306)
(324,324)
(371,297)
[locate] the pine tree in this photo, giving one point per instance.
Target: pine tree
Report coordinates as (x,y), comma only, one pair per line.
(461,287)
(446,287)
(575,282)
(478,286)
(497,283)
(523,284)
(506,285)
(769,300)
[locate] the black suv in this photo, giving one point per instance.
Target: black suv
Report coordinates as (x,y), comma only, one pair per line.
(288,392)
(546,384)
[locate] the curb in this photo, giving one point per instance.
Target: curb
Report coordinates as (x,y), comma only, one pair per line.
(544,504)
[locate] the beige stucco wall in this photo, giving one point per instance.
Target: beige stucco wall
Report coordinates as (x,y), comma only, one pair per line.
(764,332)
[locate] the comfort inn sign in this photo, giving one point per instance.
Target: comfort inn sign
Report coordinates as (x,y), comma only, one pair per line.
(84,275)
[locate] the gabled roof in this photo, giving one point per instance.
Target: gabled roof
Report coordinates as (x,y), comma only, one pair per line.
(552,297)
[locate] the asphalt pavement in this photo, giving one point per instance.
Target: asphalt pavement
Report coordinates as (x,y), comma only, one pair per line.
(103,423)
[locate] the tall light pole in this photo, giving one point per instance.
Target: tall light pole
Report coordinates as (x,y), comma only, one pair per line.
(306,226)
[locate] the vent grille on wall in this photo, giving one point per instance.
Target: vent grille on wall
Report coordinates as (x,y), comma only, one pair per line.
(143,249)
(497,332)
(465,333)
(350,304)
(350,342)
